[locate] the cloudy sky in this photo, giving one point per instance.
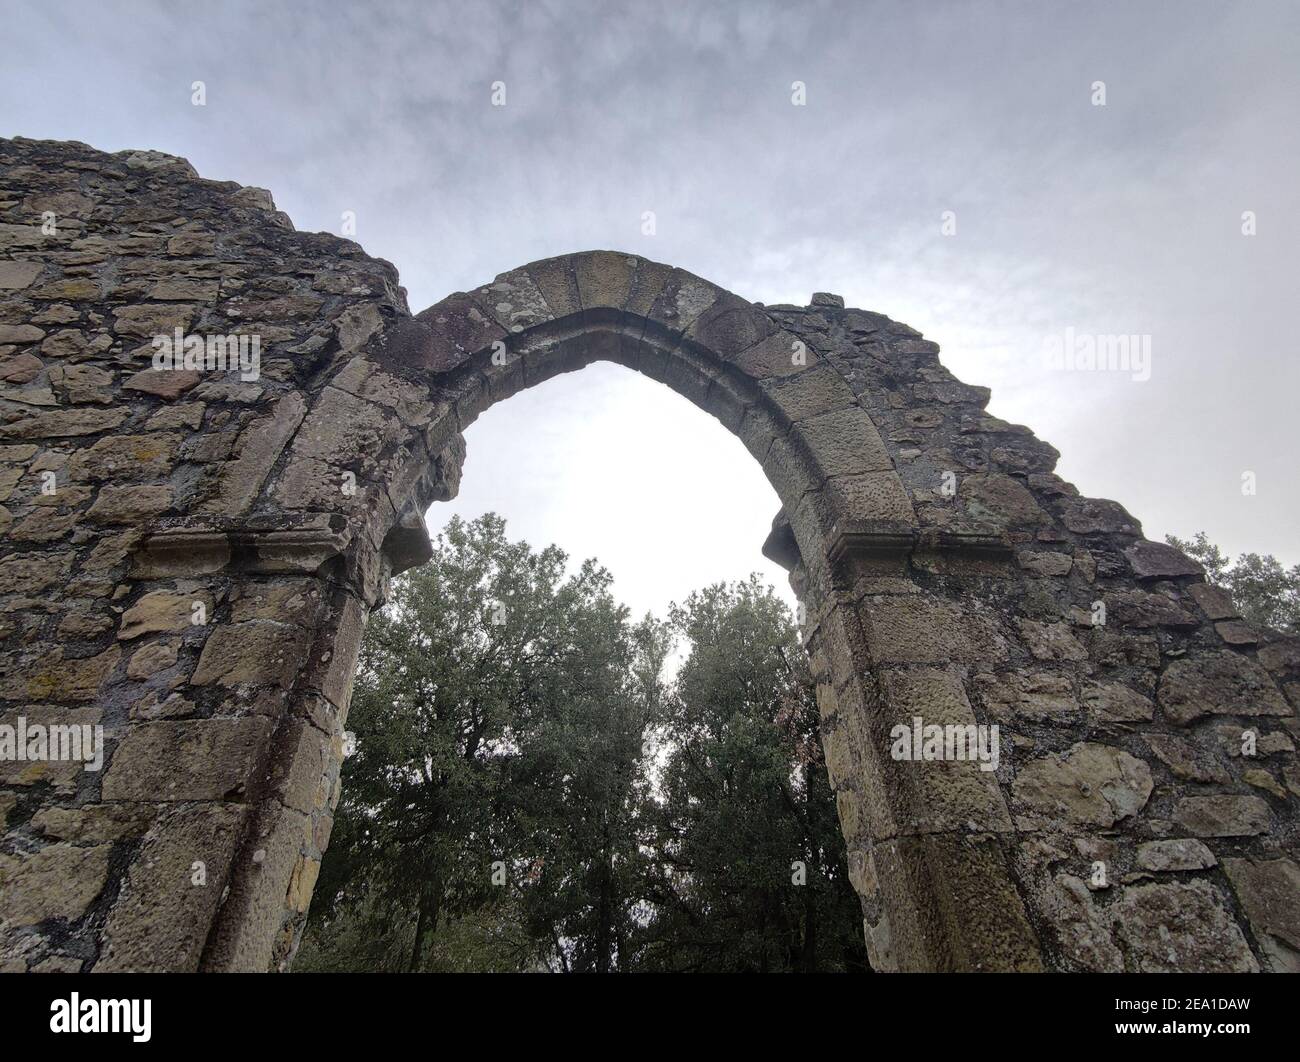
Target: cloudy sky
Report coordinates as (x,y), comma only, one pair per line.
(1124,218)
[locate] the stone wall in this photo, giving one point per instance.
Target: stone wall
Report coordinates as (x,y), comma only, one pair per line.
(189,556)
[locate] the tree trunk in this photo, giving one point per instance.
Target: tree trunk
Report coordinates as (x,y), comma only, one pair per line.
(604,916)
(809,962)
(413,966)
(430,909)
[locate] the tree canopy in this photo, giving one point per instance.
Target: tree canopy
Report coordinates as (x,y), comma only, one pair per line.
(533,788)
(1267,593)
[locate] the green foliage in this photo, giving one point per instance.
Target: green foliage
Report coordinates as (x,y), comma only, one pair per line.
(1267,594)
(745,806)
(528,792)
(485,662)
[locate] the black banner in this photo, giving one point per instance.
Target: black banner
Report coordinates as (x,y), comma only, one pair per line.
(339,1011)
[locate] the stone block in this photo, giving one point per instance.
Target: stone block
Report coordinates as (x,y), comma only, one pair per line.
(515,302)
(555,279)
(604,278)
(1000,501)
(784,356)
(1269,891)
(130,505)
(1034,696)
(258,652)
(809,393)
(843,442)
(342,428)
(1194,763)
(166,611)
(1111,702)
(190,759)
(1090,785)
(1045,563)
(918,630)
(936,795)
(1175,854)
(930,885)
(173,888)
(59,881)
(259,446)
(1217,683)
(1179,926)
(1051,641)
(1156,560)
(1222,815)
(252,916)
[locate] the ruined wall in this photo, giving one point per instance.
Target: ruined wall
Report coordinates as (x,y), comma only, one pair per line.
(1139,835)
(189,556)
(148,584)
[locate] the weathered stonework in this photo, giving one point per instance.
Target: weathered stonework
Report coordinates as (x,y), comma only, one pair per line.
(189,557)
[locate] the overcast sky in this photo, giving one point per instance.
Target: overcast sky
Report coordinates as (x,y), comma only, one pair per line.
(1117,219)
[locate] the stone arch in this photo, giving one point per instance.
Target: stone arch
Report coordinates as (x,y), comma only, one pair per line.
(199,580)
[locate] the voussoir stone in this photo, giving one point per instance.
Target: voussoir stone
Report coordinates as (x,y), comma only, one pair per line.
(844,442)
(783,354)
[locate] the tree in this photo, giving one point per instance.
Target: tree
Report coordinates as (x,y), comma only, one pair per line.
(580,787)
(1267,593)
(529,791)
(750,873)
(491,701)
